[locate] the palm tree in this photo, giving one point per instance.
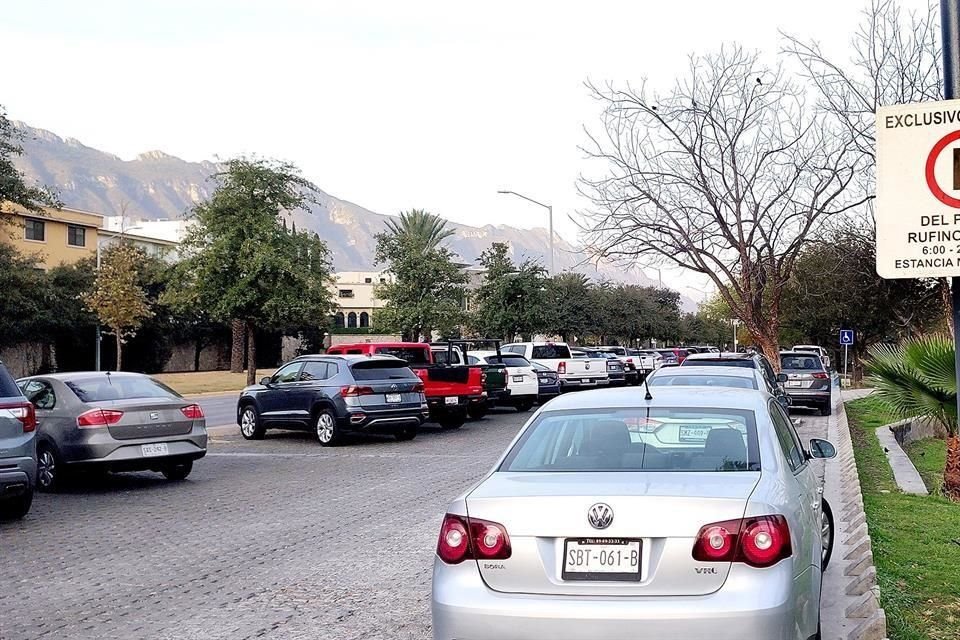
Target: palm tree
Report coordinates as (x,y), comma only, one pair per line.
(430,230)
(918,378)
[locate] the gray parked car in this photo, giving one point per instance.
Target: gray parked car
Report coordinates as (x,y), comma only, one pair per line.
(18,451)
(808,382)
(112,422)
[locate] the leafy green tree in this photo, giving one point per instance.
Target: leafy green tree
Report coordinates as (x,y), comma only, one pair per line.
(117,298)
(429,229)
(241,266)
(511,300)
(20,304)
(13,187)
(426,290)
(568,306)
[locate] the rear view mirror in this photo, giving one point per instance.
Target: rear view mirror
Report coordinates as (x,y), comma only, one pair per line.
(265,381)
(782,377)
(822,449)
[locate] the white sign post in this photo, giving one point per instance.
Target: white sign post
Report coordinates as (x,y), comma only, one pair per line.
(918,190)
(846,339)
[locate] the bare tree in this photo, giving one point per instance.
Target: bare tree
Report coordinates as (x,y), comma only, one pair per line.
(727,175)
(896,59)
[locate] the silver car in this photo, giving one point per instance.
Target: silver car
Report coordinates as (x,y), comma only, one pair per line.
(112,422)
(736,377)
(693,515)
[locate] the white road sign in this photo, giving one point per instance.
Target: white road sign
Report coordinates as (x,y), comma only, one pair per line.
(918,190)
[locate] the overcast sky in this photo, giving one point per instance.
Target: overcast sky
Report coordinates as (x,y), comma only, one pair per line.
(389,104)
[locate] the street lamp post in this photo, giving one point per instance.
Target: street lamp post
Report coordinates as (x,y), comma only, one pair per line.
(549,209)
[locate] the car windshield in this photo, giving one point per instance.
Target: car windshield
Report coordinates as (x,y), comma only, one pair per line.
(746,363)
(659,439)
(413,355)
(510,361)
(800,361)
(551,352)
(380,370)
(702,381)
(103,388)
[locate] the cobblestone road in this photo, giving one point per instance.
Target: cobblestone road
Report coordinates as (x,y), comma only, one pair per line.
(272,539)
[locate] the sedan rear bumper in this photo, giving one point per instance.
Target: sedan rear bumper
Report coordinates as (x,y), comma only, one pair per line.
(768,604)
(101,449)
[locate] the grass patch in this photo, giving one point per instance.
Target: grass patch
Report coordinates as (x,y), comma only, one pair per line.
(207,381)
(918,562)
(929,456)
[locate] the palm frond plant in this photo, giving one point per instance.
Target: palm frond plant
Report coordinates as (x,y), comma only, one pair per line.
(427,229)
(918,379)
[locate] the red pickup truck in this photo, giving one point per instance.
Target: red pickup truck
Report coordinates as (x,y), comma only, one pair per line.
(450,389)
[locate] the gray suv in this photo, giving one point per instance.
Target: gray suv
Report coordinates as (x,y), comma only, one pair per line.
(18,449)
(808,383)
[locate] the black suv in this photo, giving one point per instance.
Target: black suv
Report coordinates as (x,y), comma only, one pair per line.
(332,395)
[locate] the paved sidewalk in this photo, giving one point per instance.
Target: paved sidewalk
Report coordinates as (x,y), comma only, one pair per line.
(906,475)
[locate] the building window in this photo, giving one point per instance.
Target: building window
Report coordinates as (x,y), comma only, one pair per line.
(346,293)
(368,281)
(383,281)
(364,319)
(338,320)
(351,320)
(76,236)
(34,229)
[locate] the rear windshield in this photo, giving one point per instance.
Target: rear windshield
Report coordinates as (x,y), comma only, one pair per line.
(374,370)
(446,357)
(663,439)
(551,352)
(801,361)
(703,381)
(746,363)
(104,388)
(509,361)
(412,355)
(8,388)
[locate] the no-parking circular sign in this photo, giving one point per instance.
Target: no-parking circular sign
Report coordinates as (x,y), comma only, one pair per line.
(918,190)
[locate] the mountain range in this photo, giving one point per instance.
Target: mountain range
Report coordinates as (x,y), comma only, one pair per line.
(159,186)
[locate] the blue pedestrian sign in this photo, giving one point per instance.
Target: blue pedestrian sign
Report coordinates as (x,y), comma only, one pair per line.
(846,337)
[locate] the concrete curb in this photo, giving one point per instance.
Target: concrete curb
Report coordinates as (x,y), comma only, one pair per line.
(906,475)
(851,597)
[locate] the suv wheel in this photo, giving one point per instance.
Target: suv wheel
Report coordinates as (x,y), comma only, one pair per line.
(405,434)
(452,421)
(16,508)
(524,405)
(49,469)
(178,471)
(478,411)
(328,432)
(251,427)
(826,408)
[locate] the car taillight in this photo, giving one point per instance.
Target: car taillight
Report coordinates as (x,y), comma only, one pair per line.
(353,391)
(483,377)
(193,412)
(562,367)
(463,538)
(418,387)
(98,418)
(629,360)
(759,541)
(820,375)
(24,412)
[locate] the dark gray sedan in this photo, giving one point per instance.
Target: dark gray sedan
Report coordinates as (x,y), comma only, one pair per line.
(807,383)
(112,422)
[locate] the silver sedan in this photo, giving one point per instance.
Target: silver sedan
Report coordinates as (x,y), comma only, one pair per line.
(694,515)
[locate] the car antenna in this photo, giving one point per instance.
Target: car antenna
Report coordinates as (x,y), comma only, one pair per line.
(646,386)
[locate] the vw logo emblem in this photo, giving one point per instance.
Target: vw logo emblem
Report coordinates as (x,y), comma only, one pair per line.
(600,516)
(394,387)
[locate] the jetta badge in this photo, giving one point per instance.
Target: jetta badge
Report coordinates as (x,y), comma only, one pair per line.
(600,516)
(154,415)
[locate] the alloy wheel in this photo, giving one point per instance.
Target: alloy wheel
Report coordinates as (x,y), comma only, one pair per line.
(248,422)
(46,469)
(325,427)
(826,533)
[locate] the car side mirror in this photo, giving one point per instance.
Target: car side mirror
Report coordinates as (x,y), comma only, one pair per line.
(782,377)
(265,381)
(785,401)
(822,449)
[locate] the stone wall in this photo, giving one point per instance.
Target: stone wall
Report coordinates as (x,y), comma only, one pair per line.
(912,429)
(22,359)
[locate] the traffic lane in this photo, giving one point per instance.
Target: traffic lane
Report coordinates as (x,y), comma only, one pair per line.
(279,538)
(220,409)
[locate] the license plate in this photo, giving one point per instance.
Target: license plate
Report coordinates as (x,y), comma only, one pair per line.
(601,559)
(794,383)
(586,381)
(694,434)
(518,378)
(451,400)
(158,449)
(394,398)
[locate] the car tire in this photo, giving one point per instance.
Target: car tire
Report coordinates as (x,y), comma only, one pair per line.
(177,471)
(478,411)
(827,533)
(251,426)
(405,434)
(524,405)
(453,421)
(50,474)
(16,508)
(826,408)
(329,433)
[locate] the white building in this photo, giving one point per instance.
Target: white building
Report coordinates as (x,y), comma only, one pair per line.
(355,295)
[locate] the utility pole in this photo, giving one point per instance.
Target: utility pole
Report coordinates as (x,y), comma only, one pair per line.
(950,31)
(549,208)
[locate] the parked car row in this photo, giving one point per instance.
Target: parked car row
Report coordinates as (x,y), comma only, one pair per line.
(55,426)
